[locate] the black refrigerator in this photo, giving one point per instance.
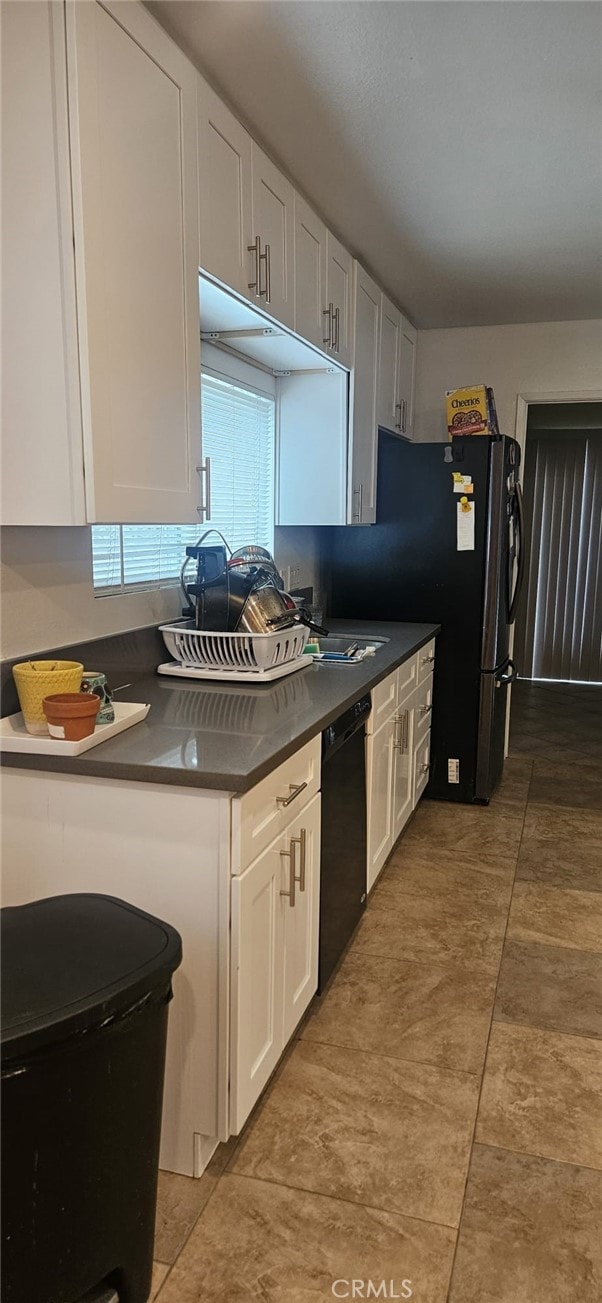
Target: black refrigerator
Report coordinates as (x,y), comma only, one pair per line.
(448,550)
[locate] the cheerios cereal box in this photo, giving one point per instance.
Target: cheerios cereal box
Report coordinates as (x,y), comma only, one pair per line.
(471,411)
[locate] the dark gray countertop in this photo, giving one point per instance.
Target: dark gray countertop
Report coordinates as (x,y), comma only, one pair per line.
(227,737)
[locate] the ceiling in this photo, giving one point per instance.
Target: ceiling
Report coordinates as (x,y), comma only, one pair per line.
(454,145)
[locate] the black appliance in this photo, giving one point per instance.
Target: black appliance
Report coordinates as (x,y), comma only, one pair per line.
(407,567)
(344,847)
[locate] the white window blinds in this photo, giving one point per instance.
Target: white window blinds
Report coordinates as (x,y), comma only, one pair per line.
(239,438)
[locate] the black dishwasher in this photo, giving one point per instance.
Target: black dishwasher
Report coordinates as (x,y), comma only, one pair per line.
(343,855)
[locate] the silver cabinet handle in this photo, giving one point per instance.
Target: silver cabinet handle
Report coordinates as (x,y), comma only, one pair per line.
(357,517)
(398,425)
(204,511)
(401,743)
(337,335)
(256,249)
(290,856)
(425,768)
(327,339)
(267,256)
(428,660)
(294,790)
(301,842)
(424,710)
(404,407)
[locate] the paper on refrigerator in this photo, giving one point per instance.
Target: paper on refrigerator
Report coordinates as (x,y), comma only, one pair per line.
(465,526)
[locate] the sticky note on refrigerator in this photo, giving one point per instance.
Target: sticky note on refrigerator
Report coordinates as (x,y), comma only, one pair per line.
(463,483)
(465,526)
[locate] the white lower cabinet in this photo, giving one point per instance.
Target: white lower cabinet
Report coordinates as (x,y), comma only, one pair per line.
(422,756)
(397,755)
(403,783)
(274,955)
(380,777)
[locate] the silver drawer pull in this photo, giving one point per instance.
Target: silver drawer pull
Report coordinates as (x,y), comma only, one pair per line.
(424,710)
(428,660)
(294,790)
(290,856)
(301,842)
(424,768)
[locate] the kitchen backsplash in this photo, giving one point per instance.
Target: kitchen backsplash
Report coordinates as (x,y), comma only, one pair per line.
(48,600)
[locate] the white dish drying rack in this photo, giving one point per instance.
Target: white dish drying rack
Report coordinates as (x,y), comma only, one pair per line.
(234,656)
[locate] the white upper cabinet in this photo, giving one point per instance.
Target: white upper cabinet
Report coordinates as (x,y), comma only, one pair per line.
(225,217)
(272,259)
(396,371)
(132,100)
(339,296)
(323,286)
(312,316)
(388,366)
(42,469)
(363,419)
(407,377)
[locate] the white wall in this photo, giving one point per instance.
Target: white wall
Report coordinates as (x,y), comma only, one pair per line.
(47,594)
(48,599)
(542,358)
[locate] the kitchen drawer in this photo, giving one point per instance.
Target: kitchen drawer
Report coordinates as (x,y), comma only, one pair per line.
(384,703)
(426,660)
(423,708)
(407,678)
(391,693)
(265,811)
(422,756)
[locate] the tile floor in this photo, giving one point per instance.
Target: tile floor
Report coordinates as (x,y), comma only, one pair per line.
(438,1119)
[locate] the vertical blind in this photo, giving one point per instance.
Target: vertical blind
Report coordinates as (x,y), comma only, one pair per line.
(560,633)
(239,438)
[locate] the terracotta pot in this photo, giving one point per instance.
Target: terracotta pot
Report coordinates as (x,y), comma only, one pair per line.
(71,715)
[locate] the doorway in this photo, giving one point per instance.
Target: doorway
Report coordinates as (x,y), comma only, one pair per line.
(557,702)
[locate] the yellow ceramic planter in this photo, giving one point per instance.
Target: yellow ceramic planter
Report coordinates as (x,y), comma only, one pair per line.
(38,679)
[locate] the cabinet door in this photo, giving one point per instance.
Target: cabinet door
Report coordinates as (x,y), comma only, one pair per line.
(273,271)
(403,792)
(132,105)
(42,472)
(380,772)
(256,979)
(339,293)
(224,170)
(311,312)
(301,919)
(389,415)
(362,478)
(422,758)
(406,384)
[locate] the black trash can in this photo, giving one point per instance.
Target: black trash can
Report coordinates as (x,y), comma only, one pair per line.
(86,983)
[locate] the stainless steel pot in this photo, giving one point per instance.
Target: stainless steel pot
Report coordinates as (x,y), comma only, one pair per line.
(265,607)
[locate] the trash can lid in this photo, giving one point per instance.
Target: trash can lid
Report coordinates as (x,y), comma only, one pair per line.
(70,962)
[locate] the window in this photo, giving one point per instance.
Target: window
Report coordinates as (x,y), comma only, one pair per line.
(239,438)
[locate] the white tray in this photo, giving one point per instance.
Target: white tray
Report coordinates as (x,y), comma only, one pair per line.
(251,677)
(14,735)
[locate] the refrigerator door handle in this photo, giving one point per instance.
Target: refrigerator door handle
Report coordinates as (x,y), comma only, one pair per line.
(507,673)
(522,555)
